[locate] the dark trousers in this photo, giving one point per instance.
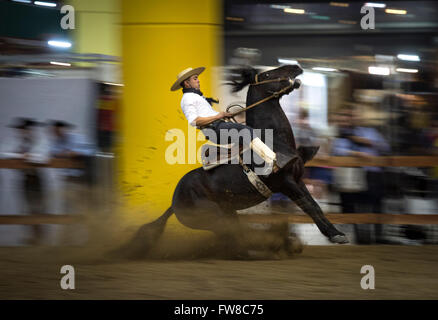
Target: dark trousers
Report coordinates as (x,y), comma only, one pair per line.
(33,193)
(212,132)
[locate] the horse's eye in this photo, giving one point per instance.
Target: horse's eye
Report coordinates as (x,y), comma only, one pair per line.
(267,75)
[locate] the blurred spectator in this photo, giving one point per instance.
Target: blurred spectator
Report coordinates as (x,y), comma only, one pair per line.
(366,193)
(431,139)
(432,136)
(31,150)
(413,121)
(316,178)
(419,122)
(68,144)
(304,134)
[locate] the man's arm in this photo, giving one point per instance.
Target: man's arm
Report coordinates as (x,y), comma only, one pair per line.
(202,121)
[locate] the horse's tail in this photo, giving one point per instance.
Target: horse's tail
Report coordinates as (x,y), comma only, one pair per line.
(145,238)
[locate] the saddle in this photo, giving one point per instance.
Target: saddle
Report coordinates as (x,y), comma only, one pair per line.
(213,155)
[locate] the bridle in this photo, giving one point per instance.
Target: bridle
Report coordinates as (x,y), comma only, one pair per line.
(275,94)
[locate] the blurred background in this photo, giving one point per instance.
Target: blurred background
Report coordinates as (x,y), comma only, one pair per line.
(85,105)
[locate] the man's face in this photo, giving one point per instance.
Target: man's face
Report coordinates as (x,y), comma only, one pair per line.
(58,131)
(193,82)
(26,133)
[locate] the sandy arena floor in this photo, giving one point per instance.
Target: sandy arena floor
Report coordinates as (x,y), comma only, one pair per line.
(329,272)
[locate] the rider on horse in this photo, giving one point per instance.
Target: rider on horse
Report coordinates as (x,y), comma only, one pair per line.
(209,200)
(198,111)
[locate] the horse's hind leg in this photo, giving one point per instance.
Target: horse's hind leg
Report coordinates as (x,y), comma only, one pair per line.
(298,193)
(264,243)
(234,237)
(204,214)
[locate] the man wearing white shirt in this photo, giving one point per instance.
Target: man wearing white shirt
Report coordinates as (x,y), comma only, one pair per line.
(198,111)
(77,191)
(30,149)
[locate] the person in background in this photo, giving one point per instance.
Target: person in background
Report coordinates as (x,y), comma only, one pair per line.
(356,139)
(66,143)
(411,124)
(31,150)
(74,146)
(316,178)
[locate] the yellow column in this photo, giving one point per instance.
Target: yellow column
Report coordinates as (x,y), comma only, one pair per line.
(160,39)
(97,26)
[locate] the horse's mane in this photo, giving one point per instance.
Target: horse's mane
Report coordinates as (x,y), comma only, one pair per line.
(241,77)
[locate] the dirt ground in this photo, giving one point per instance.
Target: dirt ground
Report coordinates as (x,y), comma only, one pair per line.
(319,272)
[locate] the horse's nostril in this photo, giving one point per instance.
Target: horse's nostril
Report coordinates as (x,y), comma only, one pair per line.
(297,83)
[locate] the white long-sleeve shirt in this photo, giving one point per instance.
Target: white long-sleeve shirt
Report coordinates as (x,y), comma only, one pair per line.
(193,105)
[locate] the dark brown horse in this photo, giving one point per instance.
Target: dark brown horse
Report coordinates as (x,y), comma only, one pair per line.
(208,200)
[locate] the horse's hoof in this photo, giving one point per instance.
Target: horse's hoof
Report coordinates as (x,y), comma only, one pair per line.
(339,238)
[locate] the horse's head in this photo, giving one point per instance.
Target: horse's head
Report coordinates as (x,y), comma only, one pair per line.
(270,81)
(266,88)
(288,71)
(279,79)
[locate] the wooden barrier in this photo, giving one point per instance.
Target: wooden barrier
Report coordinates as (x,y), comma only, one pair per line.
(335,218)
(345,218)
(41,219)
(55,163)
(396,161)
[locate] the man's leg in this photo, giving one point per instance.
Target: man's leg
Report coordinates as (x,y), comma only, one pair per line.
(274,161)
(34,199)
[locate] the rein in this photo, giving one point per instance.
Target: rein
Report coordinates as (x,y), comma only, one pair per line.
(274,95)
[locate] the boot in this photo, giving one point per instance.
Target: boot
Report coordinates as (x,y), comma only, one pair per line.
(274,161)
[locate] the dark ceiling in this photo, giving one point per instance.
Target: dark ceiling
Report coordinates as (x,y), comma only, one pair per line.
(245,17)
(328,30)
(25,27)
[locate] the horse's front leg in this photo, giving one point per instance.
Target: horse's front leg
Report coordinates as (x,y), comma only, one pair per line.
(298,193)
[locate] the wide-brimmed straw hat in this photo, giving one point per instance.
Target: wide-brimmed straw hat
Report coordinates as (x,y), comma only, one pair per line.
(25,123)
(184,75)
(60,124)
